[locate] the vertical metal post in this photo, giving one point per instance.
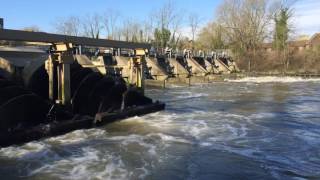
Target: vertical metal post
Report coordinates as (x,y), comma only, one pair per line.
(80,49)
(65,83)
(51,70)
(119,52)
(137,66)
(1,23)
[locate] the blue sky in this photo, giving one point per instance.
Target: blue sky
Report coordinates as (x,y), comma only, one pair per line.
(307,16)
(24,13)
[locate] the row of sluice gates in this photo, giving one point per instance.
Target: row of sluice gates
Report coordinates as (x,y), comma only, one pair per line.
(165,66)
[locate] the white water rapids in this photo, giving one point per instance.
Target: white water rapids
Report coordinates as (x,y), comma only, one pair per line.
(252,128)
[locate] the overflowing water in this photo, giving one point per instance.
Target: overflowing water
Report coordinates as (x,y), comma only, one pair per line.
(253,128)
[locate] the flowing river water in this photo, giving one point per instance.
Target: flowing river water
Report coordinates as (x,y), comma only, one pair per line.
(252,128)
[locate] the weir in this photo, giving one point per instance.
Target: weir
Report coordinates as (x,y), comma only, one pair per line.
(187,68)
(56,90)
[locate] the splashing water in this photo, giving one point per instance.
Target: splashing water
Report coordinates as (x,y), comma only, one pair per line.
(268,79)
(254,128)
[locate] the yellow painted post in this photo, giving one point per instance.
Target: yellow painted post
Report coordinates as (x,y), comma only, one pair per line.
(58,68)
(51,68)
(139,66)
(65,59)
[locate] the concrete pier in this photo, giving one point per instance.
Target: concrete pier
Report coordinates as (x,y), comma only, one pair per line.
(123,63)
(178,69)
(156,71)
(222,68)
(210,67)
(197,69)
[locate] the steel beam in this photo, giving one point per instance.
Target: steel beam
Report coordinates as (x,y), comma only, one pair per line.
(17,35)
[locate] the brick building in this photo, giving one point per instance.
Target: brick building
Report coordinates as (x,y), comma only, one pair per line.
(298,45)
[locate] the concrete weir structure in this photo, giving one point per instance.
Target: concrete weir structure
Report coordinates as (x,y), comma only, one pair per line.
(178,70)
(187,69)
(210,67)
(155,69)
(222,67)
(196,68)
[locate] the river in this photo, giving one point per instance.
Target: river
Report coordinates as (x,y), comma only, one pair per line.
(252,128)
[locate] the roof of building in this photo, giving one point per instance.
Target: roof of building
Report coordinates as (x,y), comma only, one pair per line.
(315,37)
(300,43)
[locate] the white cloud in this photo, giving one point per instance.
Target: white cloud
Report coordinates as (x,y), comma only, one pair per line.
(307,16)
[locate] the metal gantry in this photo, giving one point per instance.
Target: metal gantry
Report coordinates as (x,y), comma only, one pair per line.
(61,57)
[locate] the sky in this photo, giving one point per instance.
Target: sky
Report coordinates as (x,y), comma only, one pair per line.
(307,17)
(43,14)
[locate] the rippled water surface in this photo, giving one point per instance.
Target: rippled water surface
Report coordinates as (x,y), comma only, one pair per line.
(254,128)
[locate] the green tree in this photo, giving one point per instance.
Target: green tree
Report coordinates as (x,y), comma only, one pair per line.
(245,24)
(162,37)
(281,35)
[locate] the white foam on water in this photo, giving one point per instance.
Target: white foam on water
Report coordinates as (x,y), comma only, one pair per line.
(269,79)
(195,128)
(91,164)
(24,151)
(174,86)
(94,163)
(160,120)
(125,141)
(78,136)
(168,138)
(188,95)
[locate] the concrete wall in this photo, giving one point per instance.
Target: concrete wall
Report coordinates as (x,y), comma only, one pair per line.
(156,71)
(210,68)
(222,68)
(124,63)
(178,69)
(197,69)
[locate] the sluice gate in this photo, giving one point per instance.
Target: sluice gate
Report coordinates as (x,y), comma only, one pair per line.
(156,70)
(188,68)
(56,90)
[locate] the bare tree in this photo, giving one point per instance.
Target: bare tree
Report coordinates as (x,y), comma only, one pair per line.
(194,21)
(175,27)
(148,26)
(245,22)
(70,26)
(211,37)
(111,18)
(131,31)
(93,25)
(168,17)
